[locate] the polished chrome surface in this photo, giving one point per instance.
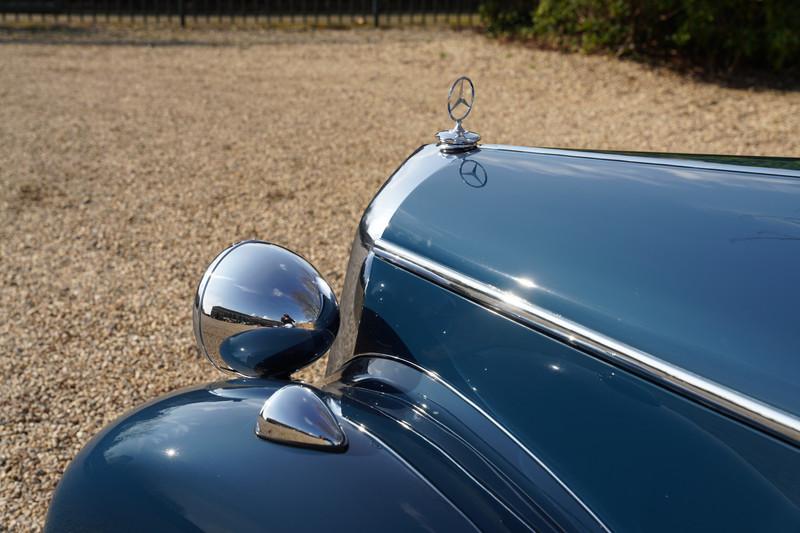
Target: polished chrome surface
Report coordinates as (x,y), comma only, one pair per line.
(297,416)
(743,407)
(261,310)
(351,305)
(460,98)
(460,101)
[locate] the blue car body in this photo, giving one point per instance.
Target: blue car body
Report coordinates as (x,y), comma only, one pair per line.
(530,339)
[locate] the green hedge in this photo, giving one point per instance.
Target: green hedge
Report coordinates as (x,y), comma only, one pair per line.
(714,33)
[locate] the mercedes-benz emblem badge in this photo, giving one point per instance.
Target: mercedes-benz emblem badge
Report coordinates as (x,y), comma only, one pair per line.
(473,173)
(460,98)
(460,101)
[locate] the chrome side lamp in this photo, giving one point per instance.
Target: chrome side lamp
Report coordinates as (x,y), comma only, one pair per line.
(262,311)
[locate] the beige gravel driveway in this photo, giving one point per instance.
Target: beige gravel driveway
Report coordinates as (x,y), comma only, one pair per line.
(125,167)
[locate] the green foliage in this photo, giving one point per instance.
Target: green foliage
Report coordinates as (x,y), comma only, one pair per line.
(714,33)
(585,24)
(505,17)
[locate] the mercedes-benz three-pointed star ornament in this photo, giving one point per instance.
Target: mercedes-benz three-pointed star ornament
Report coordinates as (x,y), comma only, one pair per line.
(460,101)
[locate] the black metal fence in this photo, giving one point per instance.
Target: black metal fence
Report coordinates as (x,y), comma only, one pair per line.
(291,12)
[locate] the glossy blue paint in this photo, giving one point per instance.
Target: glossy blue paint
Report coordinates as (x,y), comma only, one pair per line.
(190,461)
(697,266)
(456,446)
(641,457)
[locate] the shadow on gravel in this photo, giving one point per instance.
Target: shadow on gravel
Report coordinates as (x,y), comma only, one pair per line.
(755,82)
(169,35)
(89,34)
(62,34)
(32,29)
(740,78)
(120,42)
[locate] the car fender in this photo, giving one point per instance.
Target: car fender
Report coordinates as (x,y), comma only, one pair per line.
(191,461)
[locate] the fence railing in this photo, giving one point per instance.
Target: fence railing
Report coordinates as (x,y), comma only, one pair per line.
(295,12)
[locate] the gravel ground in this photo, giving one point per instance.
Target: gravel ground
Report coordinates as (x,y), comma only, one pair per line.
(128,160)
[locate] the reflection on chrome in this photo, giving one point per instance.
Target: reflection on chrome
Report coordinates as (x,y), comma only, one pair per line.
(261,310)
(297,416)
(526,282)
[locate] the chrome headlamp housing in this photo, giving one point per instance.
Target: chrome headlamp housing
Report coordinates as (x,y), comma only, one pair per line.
(263,311)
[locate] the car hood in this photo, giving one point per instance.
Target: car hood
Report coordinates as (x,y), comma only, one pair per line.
(695,261)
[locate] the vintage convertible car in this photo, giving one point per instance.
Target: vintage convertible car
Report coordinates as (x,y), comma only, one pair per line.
(530,339)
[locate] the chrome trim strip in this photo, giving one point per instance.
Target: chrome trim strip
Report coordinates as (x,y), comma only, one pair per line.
(719,397)
(664,161)
(438,379)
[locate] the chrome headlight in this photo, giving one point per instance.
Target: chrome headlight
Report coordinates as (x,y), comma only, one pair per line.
(263,311)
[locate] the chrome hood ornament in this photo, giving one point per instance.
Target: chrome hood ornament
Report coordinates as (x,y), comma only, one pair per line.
(460,101)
